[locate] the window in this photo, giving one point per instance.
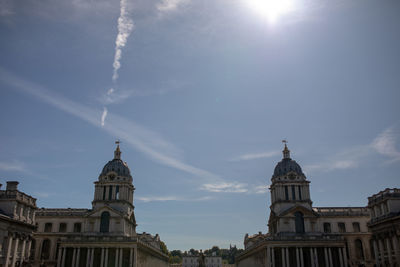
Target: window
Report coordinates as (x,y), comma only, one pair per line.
(356,227)
(293,192)
(286,193)
(359,249)
(105,222)
(300,192)
(104,192)
(342,227)
(62,228)
(327,227)
(110,193)
(299,222)
(45,255)
(47,227)
(117,192)
(77,227)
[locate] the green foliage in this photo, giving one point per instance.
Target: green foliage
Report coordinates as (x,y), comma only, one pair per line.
(163,247)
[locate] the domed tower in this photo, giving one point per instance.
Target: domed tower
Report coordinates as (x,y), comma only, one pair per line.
(114,187)
(289,186)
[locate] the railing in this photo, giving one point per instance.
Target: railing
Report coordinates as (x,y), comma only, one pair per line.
(388,192)
(15,194)
(383,217)
(346,211)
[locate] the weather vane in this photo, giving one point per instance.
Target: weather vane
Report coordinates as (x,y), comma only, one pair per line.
(284,141)
(117,142)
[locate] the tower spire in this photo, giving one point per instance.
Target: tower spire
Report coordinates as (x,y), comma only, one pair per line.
(286,151)
(117,152)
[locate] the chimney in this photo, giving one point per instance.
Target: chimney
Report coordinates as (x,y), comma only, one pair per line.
(12,185)
(1,186)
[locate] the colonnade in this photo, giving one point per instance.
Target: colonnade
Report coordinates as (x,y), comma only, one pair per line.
(387,250)
(13,243)
(300,261)
(90,256)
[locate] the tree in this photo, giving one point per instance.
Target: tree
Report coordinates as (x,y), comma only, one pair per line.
(163,247)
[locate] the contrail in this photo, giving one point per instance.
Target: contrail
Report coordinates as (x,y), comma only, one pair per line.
(125,27)
(103,116)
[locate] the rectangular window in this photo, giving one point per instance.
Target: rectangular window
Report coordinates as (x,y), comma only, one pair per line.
(342,227)
(300,192)
(327,227)
(117,192)
(62,228)
(293,192)
(356,227)
(110,193)
(47,227)
(77,227)
(104,192)
(286,193)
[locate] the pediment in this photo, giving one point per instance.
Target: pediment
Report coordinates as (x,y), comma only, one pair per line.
(292,210)
(99,211)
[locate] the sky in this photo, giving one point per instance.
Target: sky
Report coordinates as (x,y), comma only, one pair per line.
(200,93)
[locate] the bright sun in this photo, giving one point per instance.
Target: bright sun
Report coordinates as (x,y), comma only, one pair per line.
(271,9)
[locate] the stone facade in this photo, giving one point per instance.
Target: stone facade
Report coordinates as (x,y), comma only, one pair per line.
(385,226)
(102,236)
(303,235)
(193,261)
(17,223)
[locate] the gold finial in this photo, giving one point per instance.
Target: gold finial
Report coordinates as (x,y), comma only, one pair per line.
(117,152)
(286,151)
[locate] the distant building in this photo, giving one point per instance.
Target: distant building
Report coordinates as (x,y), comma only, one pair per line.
(193,261)
(303,235)
(385,226)
(17,223)
(102,236)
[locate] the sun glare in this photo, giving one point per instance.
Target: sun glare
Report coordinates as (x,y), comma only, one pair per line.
(271,9)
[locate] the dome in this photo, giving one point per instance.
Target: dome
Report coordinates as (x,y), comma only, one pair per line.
(287,165)
(116,168)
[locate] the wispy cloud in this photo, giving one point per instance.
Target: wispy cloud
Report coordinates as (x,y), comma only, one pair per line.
(385,143)
(6,8)
(233,187)
(252,156)
(12,166)
(113,97)
(170,198)
(103,116)
(142,139)
(170,5)
(125,27)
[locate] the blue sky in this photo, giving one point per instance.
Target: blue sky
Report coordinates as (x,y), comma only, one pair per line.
(202,94)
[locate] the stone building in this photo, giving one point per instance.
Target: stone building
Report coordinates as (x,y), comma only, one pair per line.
(104,235)
(385,226)
(17,223)
(209,261)
(306,236)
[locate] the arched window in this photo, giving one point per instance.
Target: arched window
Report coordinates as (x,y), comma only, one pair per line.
(359,249)
(299,222)
(105,222)
(45,255)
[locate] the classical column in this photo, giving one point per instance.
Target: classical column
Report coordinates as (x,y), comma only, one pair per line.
(89,250)
(63,257)
(59,257)
(10,239)
(301,257)
(326,258)
(15,252)
(273,256)
(330,257)
(388,245)
(268,257)
(312,257)
(396,248)
(344,256)
(91,257)
(131,257)
(28,249)
(73,257)
(106,258)
(116,256)
(78,256)
(316,257)
(381,251)
(283,257)
(121,252)
(287,257)
(23,250)
(102,258)
(297,257)
(376,252)
(340,257)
